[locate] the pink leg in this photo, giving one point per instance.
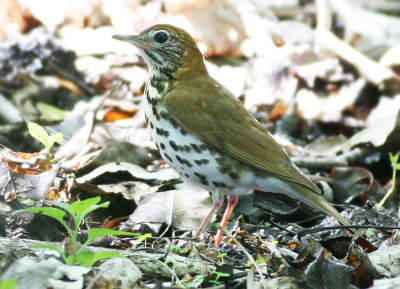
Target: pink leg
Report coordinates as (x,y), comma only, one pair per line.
(232,202)
(218,204)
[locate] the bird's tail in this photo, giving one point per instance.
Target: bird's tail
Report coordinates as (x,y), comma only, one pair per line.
(300,192)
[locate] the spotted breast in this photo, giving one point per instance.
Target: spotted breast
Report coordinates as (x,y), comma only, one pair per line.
(192,158)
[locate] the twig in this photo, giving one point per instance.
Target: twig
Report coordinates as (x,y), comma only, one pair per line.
(198,258)
(246,253)
(96,109)
(175,277)
(250,279)
(321,229)
(69,76)
(92,282)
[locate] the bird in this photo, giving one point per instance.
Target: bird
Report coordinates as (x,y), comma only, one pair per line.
(206,134)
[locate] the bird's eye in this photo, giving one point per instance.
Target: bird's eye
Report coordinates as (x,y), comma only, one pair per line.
(161,37)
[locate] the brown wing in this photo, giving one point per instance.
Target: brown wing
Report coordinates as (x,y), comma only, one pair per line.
(210,112)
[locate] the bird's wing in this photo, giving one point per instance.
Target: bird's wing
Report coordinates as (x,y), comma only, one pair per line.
(210,112)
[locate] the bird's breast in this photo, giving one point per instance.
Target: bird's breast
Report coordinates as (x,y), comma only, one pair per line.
(192,158)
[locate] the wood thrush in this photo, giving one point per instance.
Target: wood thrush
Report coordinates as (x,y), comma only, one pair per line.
(204,132)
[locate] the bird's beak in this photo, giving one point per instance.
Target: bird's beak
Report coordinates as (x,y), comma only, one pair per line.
(132,39)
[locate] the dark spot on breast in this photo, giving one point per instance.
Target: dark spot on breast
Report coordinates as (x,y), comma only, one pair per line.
(153,101)
(186,175)
(187,148)
(234,176)
(183,132)
(203,147)
(202,162)
(164,115)
(162,146)
(179,159)
(223,170)
(183,161)
(202,178)
(173,145)
(162,132)
(221,185)
(168,157)
(151,125)
(157,83)
(173,122)
(155,113)
(195,147)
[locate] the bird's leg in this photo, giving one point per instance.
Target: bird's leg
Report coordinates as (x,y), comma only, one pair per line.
(216,205)
(232,202)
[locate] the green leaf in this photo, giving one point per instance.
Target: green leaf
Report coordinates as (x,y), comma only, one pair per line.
(105,255)
(63,206)
(175,249)
(88,258)
(394,159)
(47,211)
(57,138)
(8,284)
(101,232)
(50,112)
(51,247)
(144,237)
(370,232)
(39,133)
(222,255)
(27,202)
(81,208)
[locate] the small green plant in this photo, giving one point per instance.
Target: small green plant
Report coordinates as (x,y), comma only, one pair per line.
(78,210)
(370,232)
(394,160)
(222,255)
(39,133)
(144,238)
(267,224)
(175,249)
(218,275)
(173,262)
(8,284)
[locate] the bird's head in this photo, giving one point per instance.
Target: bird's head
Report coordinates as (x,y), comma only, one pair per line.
(169,52)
